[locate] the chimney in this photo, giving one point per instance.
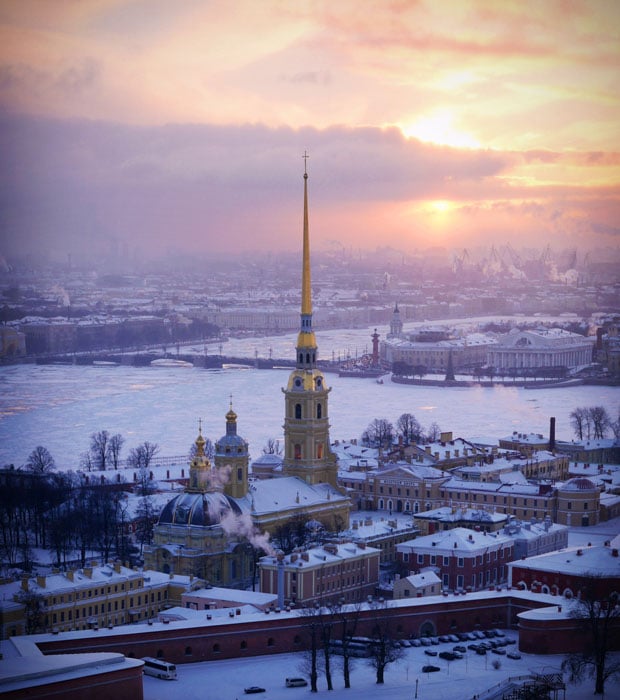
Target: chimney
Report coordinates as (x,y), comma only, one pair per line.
(69,575)
(280,580)
(551,434)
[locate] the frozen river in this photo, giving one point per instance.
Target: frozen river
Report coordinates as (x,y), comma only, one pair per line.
(59,406)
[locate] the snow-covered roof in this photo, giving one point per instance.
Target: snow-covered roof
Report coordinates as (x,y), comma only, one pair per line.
(598,560)
(458,539)
(279,494)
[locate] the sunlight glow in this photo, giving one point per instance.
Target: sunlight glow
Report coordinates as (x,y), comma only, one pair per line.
(439,128)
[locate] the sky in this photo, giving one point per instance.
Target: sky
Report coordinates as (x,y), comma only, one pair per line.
(148,127)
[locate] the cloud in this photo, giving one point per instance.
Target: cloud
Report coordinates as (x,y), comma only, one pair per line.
(76,185)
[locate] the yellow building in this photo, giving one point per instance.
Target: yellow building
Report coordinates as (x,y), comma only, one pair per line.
(219,524)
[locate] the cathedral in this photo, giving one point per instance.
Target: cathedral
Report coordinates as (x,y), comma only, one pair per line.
(221,523)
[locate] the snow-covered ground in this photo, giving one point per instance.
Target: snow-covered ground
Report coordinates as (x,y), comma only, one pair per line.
(457,680)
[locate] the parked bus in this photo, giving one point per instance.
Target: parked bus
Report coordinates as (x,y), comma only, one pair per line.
(159,668)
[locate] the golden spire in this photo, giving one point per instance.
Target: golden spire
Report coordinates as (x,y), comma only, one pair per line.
(306,286)
(306,341)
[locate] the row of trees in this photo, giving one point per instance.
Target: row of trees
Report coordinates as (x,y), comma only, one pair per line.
(73,516)
(333,625)
(594,423)
(381,432)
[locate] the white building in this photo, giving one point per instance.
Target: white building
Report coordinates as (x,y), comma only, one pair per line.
(543,347)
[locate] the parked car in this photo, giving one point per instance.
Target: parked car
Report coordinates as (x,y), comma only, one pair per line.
(481,651)
(453,638)
(296,682)
(513,655)
(447,655)
(472,646)
(405,643)
(500,651)
(250,690)
(416,643)
(430,669)
(460,648)
(430,652)
(444,638)
(499,633)
(425,641)
(434,640)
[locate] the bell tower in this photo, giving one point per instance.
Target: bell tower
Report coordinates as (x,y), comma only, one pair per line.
(307,451)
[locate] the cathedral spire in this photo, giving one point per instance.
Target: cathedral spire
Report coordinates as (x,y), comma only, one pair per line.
(306,341)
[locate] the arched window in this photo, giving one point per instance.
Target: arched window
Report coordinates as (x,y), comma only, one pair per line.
(297,451)
(319,451)
(298,411)
(160,653)
(301,358)
(296,639)
(239,474)
(243,645)
(270,642)
(319,410)
(188,651)
(216,648)
(307,358)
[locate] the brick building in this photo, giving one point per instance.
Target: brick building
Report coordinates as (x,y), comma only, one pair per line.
(464,560)
(348,571)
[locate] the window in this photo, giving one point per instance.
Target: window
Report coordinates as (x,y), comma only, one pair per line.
(420,559)
(319,410)
(569,505)
(298,411)
(460,561)
(446,561)
(460,580)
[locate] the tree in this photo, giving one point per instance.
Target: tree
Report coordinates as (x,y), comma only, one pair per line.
(379,433)
(312,625)
(581,421)
(272,447)
(140,457)
(40,461)
(420,371)
(434,432)
(601,422)
(408,426)
(384,648)
(599,620)
(34,609)
(99,449)
(114,449)
(347,615)
(615,426)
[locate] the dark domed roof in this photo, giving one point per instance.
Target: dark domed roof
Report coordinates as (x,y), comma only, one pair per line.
(198,509)
(580,483)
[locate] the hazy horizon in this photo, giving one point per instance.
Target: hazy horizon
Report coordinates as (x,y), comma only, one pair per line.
(156,127)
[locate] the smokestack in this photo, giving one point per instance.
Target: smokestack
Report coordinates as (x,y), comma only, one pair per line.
(551,434)
(281,580)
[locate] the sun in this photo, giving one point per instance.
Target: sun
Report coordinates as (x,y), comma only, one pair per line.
(441,206)
(438,128)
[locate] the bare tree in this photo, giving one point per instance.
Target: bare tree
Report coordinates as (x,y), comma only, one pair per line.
(311,614)
(34,610)
(581,421)
(40,461)
(114,449)
(384,648)
(347,615)
(434,432)
(615,425)
(409,427)
(99,449)
(599,620)
(140,457)
(272,447)
(601,422)
(379,433)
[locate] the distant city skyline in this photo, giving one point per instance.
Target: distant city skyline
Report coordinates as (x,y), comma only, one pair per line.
(150,127)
